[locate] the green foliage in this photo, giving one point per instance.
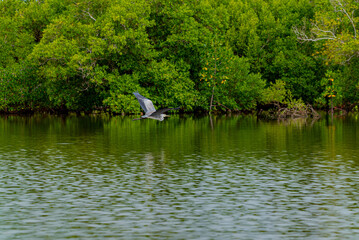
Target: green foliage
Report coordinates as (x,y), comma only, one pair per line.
(335,28)
(120,99)
(245,89)
(332,90)
(340,87)
(19,89)
(15,42)
(285,105)
(170,84)
(216,67)
(349,84)
(276,93)
(11,88)
(84,55)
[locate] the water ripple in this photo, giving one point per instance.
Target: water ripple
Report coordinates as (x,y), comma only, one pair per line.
(75,189)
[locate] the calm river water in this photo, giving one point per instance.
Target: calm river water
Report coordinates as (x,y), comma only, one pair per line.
(231,177)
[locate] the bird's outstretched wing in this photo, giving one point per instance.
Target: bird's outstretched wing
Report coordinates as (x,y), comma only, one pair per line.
(145,103)
(163,110)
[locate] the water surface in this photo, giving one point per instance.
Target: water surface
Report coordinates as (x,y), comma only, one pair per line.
(231,177)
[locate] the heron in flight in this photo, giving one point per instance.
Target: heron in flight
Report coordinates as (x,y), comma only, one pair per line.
(150,111)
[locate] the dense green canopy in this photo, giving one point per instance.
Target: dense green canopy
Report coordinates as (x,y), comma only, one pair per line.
(81,55)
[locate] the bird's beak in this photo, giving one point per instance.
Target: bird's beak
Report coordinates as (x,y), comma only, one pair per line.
(166,115)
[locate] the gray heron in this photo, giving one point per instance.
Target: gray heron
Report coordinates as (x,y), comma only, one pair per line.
(150,111)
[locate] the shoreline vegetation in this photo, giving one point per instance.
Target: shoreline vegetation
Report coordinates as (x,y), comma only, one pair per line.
(270,114)
(276,59)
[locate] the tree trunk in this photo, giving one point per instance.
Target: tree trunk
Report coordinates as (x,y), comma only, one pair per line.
(214,79)
(211,104)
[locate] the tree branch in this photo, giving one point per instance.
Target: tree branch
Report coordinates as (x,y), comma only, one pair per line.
(342,9)
(88,12)
(354,55)
(302,36)
(327,34)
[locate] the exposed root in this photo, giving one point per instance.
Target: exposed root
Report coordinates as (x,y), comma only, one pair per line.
(293,112)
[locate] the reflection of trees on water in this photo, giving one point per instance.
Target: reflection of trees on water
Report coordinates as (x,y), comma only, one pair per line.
(180,136)
(299,122)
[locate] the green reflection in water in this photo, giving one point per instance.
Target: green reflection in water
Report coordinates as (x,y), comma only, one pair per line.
(230,177)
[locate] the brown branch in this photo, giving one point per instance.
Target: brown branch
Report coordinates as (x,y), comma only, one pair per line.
(224,106)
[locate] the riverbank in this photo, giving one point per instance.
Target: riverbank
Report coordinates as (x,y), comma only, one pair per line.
(268,114)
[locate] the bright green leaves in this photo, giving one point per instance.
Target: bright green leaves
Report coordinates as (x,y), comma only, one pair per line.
(89,38)
(340,88)
(282,99)
(252,27)
(216,67)
(64,61)
(227,80)
(299,73)
(12,91)
(123,28)
(170,84)
(244,88)
(276,93)
(331,88)
(216,64)
(121,99)
(197,54)
(163,82)
(334,27)
(15,42)
(261,31)
(332,91)
(19,89)
(334,32)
